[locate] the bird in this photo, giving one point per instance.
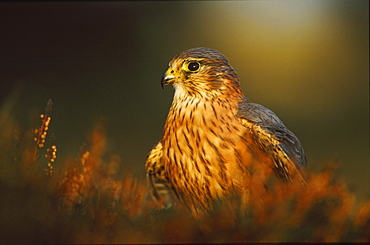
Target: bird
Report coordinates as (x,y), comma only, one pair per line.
(215,141)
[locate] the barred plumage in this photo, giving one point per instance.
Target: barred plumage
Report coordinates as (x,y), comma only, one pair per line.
(214,139)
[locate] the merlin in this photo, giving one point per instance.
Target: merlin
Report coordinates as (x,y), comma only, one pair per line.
(215,141)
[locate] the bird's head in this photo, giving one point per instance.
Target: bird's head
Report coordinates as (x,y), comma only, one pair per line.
(201,72)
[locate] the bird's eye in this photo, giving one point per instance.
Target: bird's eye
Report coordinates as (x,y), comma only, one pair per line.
(193,66)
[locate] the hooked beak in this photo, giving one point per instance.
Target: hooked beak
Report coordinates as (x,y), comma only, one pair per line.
(168,77)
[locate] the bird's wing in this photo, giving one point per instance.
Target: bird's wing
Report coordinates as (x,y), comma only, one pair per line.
(159,186)
(269,132)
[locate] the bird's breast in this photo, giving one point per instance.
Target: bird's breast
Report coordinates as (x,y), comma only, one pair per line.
(206,148)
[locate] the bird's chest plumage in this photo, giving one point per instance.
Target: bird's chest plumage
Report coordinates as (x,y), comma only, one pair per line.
(205,148)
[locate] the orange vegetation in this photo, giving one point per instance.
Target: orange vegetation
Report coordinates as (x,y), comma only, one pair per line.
(90,199)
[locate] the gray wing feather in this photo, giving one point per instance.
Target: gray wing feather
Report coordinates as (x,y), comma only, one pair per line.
(159,186)
(160,191)
(268,122)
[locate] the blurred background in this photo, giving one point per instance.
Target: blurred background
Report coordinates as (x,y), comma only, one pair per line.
(308,61)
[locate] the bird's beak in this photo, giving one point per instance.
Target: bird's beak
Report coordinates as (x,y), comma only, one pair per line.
(168,77)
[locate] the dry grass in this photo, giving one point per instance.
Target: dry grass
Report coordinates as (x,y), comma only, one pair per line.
(90,199)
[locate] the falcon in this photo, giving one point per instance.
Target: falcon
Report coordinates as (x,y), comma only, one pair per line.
(215,141)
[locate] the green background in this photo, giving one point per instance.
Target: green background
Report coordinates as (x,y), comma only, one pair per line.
(308,61)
